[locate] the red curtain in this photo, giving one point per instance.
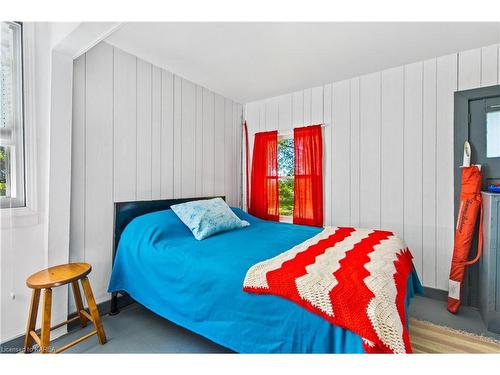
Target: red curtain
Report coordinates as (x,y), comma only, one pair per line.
(308,192)
(264,198)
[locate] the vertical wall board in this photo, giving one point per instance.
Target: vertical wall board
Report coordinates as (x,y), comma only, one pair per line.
(236,160)
(199,142)
(262,117)
(272,114)
(77,210)
(228,146)
(156,106)
(307,107)
(340,150)
(392,150)
(317,104)
(469,69)
(125,126)
(298,109)
(413,161)
(370,150)
(144,155)
(446,85)
(489,65)
(285,112)
(77,223)
(219,145)
(167,135)
(130,128)
(99,166)
(177,146)
(253,123)
(208,143)
(327,155)
(429,175)
(188,139)
(498,65)
(241,146)
(355,151)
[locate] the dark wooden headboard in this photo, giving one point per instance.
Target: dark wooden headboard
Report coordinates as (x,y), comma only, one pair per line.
(125,212)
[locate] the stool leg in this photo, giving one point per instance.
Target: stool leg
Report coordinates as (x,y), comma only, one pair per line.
(28,340)
(93,310)
(79,303)
(47,306)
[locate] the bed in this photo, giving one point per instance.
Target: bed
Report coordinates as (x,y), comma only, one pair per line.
(198,284)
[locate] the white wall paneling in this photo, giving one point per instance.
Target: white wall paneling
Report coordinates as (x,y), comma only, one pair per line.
(125,125)
(446,84)
(220,150)
(167,135)
(228,150)
(389,148)
(339,133)
(392,143)
(177,132)
(141,133)
(429,174)
(355,151)
(298,118)
(144,130)
(208,149)
(199,142)
(370,123)
(187,108)
(489,66)
(469,69)
(77,209)
(317,105)
(327,153)
(285,112)
(307,103)
(77,221)
(98,155)
(412,171)
(156,131)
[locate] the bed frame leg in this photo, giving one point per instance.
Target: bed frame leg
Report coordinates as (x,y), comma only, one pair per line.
(114,304)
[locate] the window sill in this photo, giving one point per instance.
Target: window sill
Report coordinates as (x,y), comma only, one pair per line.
(17,217)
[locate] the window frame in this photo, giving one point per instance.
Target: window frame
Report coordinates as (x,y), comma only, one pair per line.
(18,161)
(493,110)
(28,215)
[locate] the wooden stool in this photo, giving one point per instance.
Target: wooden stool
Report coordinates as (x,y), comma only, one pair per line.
(53,277)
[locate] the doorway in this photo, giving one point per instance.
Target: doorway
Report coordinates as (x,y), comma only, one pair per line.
(477,119)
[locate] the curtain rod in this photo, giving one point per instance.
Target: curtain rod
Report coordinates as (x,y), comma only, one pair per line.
(284,131)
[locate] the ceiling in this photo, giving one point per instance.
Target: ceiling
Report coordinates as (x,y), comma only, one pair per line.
(251,61)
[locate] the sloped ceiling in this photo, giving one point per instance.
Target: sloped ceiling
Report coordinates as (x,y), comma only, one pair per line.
(251,61)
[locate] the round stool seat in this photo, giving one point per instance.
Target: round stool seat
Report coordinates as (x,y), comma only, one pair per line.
(58,275)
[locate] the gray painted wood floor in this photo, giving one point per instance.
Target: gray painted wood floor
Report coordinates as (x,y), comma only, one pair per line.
(137,330)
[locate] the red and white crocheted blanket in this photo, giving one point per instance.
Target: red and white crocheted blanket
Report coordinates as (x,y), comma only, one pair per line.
(354,278)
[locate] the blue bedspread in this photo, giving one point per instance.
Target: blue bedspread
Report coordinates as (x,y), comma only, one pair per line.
(198,285)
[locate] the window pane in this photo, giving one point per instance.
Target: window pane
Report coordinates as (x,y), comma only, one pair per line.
(493,134)
(11,116)
(286,178)
(286,186)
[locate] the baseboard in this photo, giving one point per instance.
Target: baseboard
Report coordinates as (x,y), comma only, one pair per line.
(15,345)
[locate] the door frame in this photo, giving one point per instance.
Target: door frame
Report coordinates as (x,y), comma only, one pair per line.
(461,133)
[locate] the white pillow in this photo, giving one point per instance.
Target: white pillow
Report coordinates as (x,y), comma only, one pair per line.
(207,217)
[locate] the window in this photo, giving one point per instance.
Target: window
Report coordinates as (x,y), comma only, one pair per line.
(493,134)
(286,177)
(12,188)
